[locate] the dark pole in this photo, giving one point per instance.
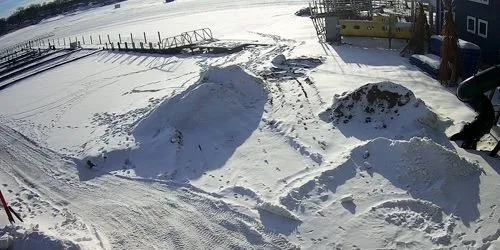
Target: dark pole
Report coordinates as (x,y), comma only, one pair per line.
(159,40)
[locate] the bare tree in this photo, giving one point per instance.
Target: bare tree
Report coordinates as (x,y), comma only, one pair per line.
(449,69)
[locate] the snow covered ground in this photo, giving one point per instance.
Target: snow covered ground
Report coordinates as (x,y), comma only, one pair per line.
(290,145)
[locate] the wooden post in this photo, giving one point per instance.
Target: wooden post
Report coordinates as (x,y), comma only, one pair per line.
(131,38)
(91,42)
(112,46)
(390,31)
(126,46)
(106,46)
(83,39)
(412,10)
(119,38)
(109,40)
(150,45)
(145,41)
(119,46)
(142,45)
(159,40)
(100,42)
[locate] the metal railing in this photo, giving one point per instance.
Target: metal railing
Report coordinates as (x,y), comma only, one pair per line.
(188,38)
(12,51)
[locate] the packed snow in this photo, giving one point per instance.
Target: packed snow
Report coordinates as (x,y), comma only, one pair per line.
(288,144)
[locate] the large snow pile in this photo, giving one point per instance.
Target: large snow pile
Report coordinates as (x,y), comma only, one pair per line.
(384,106)
(220,94)
(19,238)
(194,131)
(419,187)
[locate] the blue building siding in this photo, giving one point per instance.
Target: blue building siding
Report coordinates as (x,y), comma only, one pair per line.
(481,14)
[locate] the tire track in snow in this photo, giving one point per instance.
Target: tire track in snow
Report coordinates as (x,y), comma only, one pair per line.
(131,214)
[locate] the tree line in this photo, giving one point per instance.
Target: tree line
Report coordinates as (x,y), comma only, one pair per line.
(33,14)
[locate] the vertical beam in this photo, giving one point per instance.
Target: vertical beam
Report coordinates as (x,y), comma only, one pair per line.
(159,40)
(431,17)
(6,208)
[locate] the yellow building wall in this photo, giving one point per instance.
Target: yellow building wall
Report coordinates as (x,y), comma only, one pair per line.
(378,27)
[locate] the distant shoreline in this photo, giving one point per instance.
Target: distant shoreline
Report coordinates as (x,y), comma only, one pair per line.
(35,13)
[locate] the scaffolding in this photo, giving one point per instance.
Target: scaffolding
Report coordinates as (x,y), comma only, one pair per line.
(355,10)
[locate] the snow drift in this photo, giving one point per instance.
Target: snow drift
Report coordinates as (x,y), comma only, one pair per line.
(382,109)
(19,238)
(420,186)
(194,131)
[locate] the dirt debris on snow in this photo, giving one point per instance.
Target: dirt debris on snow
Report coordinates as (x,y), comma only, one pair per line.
(282,69)
(372,102)
(385,109)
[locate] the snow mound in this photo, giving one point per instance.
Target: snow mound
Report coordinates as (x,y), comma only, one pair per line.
(424,168)
(194,131)
(373,102)
(423,187)
(421,215)
(277,210)
(220,94)
(383,106)
(19,239)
